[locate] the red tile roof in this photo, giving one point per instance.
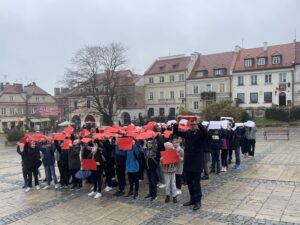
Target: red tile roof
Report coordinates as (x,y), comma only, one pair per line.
(126,77)
(9,89)
(287,51)
(168,65)
(297,60)
(32,89)
(211,62)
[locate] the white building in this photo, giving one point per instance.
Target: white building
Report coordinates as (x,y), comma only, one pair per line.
(165,84)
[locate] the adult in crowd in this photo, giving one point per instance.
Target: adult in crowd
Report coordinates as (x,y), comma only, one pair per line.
(74,163)
(193,160)
(251,139)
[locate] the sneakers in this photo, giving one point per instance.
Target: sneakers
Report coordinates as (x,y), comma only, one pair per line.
(167,200)
(119,193)
(174,199)
(56,186)
(91,194)
(46,187)
(179,192)
(108,189)
(238,167)
(147,196)
(130,193)
(153,199)
(161,185)
(98,195)
(225,169)
(27,189)
(135,196)
(37,187)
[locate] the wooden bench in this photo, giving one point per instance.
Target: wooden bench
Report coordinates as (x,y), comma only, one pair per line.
(277,131)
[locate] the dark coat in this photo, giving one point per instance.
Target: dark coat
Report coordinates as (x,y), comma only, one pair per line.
(194,148)
(98,157)
(31,157)
(48,154)
(73,157)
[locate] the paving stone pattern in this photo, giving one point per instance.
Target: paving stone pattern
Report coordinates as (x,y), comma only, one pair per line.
(265,191)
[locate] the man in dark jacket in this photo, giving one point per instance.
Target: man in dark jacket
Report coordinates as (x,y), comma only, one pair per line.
(193,160)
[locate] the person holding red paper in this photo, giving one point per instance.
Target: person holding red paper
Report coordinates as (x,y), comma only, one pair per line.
(64,162)
(96,154)
(74,163)
(169,176)
(193,160)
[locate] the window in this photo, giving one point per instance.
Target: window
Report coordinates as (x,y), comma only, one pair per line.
(268,97)
(161,67)
(222,88)
(254,97)
(282,77)
(124,102)
(151,96)
(248,62)
(254,80)
(88,104)
(181,77)
(208,88)
(172,95)
(175,66)
(20,110)
(3,111)
(161,95)
(161,79)
(200,73)
(261,61)
(37,98)
(12,111)
(43,98)
(161,111)
(75,104)
(240,81)
(268,78)
(150,80)
(11,98)
(219,72)
(241,97)
(195,89)
(181,94)
(172,79)
(172,112)
(196,105)
(276,59)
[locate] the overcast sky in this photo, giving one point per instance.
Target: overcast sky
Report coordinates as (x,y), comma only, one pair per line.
(38,37)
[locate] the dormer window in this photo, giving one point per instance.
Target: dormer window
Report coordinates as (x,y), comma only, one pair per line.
(248,62)
(161,67)
(201,73)
(261,61)
(175,66)
(219,72)
(276,59)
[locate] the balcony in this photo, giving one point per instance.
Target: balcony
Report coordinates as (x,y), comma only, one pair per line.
(208,96)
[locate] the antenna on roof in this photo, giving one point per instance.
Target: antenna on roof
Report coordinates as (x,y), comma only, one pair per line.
(295,40)
(4,77)
(242,42)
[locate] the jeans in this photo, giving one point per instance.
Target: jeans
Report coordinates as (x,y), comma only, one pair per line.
(49,170)
(237,155)
(33,171)
(152,180)
(160,174)
(97,180)
(251,146)
(170,184)
(215,154)
(134,181)
(193,182)
(224,155)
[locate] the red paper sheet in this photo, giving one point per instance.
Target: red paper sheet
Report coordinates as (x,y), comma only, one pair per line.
(169,157)
(84,133)
(66,144)
(89,164)
(125,143)
(86,140)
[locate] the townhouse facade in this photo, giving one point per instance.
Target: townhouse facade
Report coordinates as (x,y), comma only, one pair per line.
(28,106)
(264,77)
(210,80)
(165,85)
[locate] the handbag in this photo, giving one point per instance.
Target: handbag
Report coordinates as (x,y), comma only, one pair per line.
(83,174)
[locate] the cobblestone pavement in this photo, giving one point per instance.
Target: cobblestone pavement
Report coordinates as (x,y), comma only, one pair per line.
(265,191)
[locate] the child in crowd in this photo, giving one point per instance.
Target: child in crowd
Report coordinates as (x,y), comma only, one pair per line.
(179,171)
(169,176)
(215,152)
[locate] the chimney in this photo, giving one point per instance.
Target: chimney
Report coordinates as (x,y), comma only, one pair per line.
(1,86)
(265,46)
(237,48)
(64,90)
(33,83)
(56,91)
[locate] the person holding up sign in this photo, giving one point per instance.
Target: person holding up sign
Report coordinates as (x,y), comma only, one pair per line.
(194,137)
(170,159)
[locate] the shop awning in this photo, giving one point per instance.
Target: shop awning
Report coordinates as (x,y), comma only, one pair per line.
(38,120)
(13,119)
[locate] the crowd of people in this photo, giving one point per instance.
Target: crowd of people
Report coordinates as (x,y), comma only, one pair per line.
(196,147)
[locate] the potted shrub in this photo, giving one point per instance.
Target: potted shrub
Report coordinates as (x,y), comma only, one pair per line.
(13,136)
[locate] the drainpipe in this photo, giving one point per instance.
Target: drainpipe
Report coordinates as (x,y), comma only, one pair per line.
(293,87)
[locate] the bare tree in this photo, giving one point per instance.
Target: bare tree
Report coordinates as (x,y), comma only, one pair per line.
(95,70)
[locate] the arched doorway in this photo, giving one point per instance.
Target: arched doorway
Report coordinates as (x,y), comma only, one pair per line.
(282,99)
(126,118)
